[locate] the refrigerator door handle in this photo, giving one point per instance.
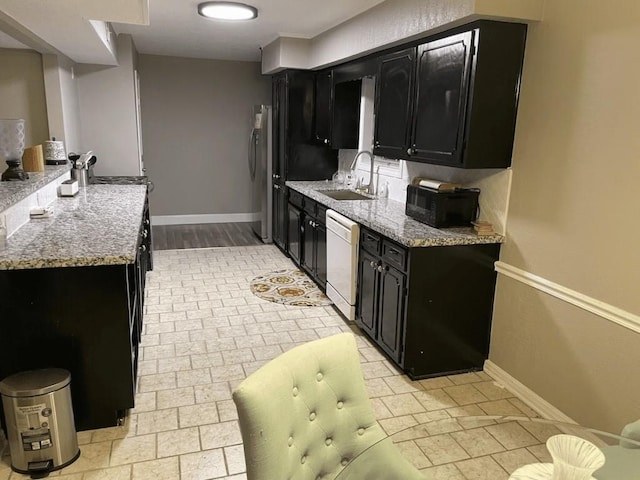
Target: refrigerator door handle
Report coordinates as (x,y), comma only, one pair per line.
(252,153)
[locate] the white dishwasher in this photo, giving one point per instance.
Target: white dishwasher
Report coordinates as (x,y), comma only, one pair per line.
(342,262)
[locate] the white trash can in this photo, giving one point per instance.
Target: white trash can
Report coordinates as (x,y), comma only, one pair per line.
(39,417)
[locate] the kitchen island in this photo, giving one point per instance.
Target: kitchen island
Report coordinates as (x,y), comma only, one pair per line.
(71,296)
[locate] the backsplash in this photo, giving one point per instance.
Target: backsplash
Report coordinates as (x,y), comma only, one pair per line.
(494,184)
(17,214)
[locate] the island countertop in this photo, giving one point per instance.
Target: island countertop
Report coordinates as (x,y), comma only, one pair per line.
(99,226)
(387,217)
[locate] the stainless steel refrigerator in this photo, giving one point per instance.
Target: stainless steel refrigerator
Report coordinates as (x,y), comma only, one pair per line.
(260,169)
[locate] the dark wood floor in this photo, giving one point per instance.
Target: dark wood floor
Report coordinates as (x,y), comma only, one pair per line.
(170,237)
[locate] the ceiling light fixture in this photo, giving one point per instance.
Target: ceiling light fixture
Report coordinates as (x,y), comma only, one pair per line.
(227,11)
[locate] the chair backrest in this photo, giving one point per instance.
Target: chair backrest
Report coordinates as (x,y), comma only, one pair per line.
(306,413)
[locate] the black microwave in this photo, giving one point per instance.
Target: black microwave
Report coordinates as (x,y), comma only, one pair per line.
(457,208)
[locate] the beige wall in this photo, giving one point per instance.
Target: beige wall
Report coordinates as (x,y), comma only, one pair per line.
(22,92)
(574,211)
(108,112)
(196,118)
(63,106)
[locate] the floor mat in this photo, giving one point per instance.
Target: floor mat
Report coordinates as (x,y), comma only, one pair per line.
(290,287)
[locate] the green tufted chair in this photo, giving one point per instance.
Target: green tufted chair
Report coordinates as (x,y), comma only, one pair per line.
(306,415)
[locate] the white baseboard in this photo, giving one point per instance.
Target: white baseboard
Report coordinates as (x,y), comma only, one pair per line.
(580,300)
(203,218)
(528,396)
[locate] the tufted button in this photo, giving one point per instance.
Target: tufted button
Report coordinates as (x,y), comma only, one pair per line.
(361,431)
(319,376)
(340,405)
(290,441)
(344,462)
(295,391)
(328,441)
(303,459)
(312,416)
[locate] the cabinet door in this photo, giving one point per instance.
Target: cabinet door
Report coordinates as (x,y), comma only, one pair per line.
(279,216)
(294,228)
(367,293)
(442,81)
(324,101)
(391,311)
(279,126)
(393,104)
(307,244)
(321,253)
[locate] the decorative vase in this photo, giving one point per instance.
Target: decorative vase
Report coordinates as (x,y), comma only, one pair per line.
(573,457)
(12,148)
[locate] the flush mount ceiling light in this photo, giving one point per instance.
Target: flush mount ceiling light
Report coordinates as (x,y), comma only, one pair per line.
(227,11)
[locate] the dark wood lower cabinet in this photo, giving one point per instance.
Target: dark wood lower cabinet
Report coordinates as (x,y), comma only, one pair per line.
(392,303)
(321,253)
(294,247)
(366,306)
(308,249)
(280,216)
(429,308)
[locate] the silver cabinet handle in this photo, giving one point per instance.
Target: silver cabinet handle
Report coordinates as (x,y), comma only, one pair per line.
(409,151)
(372,264)
(143,248)
(276,176)
(326,141)
(380,269)
(145,234)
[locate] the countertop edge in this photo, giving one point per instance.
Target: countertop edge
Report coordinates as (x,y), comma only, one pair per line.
(440,237)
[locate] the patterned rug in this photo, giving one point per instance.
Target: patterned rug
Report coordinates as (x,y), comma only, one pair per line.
(290,287)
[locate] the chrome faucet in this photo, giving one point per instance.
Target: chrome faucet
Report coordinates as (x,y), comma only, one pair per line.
(370,188)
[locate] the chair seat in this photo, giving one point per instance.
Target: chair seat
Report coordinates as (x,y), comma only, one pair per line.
(382,461)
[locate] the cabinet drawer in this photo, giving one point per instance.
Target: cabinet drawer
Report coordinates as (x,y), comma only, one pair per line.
(310,206)
(295,198)
(370,241)
(394,254)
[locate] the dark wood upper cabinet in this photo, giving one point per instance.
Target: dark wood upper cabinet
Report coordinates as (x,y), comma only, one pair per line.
(346,114)
(466,96)
(441,98)
(337,110)
(393,103)
(452,99)
(324,103)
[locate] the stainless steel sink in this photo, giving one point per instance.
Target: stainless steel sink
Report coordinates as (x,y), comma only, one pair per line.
(345,195)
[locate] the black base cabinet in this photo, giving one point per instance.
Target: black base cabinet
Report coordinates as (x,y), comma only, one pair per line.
(307,244)
(87,320)
(428,308)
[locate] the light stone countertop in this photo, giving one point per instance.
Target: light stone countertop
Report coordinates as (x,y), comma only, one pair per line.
(99,226)
(14,191)
(387,217)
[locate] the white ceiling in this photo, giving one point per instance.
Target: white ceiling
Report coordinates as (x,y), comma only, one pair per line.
(176,28)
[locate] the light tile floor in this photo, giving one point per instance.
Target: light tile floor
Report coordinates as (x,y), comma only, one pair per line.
(204,332)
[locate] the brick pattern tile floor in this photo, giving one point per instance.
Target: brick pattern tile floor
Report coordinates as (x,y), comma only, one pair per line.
(204,332)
